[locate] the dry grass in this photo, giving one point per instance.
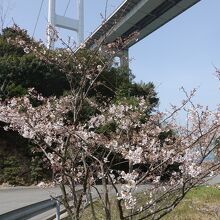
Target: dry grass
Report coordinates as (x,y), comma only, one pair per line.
(201,203)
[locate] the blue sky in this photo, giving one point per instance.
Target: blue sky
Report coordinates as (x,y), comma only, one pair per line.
(183,52)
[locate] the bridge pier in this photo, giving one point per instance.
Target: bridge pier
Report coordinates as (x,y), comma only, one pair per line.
(124,58)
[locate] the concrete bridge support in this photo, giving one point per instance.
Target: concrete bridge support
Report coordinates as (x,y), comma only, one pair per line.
(124,58)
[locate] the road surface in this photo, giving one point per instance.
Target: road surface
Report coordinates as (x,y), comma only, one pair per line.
(16,197)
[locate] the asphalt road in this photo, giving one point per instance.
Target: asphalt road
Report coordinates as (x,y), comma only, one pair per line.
(16,197)
(12,198)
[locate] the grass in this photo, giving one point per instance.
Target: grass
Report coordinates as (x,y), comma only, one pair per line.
(201,203)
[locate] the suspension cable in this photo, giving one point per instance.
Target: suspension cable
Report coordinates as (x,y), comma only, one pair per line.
(68,4)
(38,16)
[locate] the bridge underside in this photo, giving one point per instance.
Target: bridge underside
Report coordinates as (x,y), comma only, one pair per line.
(141,16)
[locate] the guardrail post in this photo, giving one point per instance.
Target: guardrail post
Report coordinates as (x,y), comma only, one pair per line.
(57,210)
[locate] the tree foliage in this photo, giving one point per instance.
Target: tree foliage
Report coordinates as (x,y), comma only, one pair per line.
(82,151)
(20,71)
(21,68)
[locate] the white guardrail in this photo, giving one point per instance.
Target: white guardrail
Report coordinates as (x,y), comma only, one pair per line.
(35,209)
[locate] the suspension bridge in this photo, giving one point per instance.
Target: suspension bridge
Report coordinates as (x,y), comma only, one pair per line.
(144,16)
(141,16)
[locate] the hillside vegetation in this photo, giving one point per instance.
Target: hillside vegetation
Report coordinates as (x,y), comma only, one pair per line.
(20,70)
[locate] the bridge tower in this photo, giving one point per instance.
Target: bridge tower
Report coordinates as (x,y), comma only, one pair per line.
(55,20)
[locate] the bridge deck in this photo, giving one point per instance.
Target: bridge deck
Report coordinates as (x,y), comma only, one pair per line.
(142,16)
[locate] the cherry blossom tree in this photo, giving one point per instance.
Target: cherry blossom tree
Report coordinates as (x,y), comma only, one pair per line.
(119,146)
